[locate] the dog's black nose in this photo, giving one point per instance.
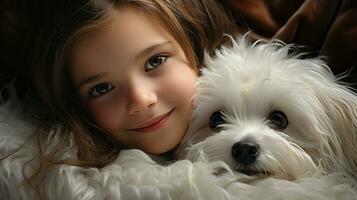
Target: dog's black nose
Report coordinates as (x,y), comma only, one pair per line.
(245,152)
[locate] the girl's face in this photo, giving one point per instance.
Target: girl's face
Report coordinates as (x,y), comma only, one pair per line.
(136,82)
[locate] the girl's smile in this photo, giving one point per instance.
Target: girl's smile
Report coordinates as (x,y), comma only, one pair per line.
(153,124)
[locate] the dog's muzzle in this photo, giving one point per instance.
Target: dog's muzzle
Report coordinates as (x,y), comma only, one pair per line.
(245,152)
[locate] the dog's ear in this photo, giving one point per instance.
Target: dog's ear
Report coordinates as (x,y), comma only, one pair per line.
(340,110)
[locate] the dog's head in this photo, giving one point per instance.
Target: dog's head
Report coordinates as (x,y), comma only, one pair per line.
(266,112)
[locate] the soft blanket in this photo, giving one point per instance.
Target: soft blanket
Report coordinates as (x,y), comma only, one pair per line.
(134,175)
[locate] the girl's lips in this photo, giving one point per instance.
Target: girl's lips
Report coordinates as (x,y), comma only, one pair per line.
(155,123)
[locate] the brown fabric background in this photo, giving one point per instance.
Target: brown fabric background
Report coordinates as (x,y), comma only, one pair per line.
(327,27)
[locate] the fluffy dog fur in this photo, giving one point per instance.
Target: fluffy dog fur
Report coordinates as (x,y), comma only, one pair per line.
(134,175)
(292,113)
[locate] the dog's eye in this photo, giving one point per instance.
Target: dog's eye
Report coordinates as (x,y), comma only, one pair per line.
(278,120)
(215,120)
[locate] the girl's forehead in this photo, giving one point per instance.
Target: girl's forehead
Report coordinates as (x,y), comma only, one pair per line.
(122,40)
(128,26)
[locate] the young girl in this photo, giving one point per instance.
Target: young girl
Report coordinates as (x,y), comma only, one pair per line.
(121,74)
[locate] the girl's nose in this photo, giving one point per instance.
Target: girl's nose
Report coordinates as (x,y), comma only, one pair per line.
(141,99)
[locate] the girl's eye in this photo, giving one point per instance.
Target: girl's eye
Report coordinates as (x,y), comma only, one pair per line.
(154,62)
(100,89)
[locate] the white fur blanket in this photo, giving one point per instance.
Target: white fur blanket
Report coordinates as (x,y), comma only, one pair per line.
(134,175)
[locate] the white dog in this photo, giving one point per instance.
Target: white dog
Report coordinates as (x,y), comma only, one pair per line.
(268,113)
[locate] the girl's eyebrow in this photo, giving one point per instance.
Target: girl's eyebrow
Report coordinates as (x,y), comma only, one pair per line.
(150,49)
(90,79)
(141,54)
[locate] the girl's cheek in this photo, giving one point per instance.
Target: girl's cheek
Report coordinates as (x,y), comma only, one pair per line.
(107,115)
(181,84)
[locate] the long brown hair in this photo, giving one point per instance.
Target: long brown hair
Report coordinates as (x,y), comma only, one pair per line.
(196,25)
